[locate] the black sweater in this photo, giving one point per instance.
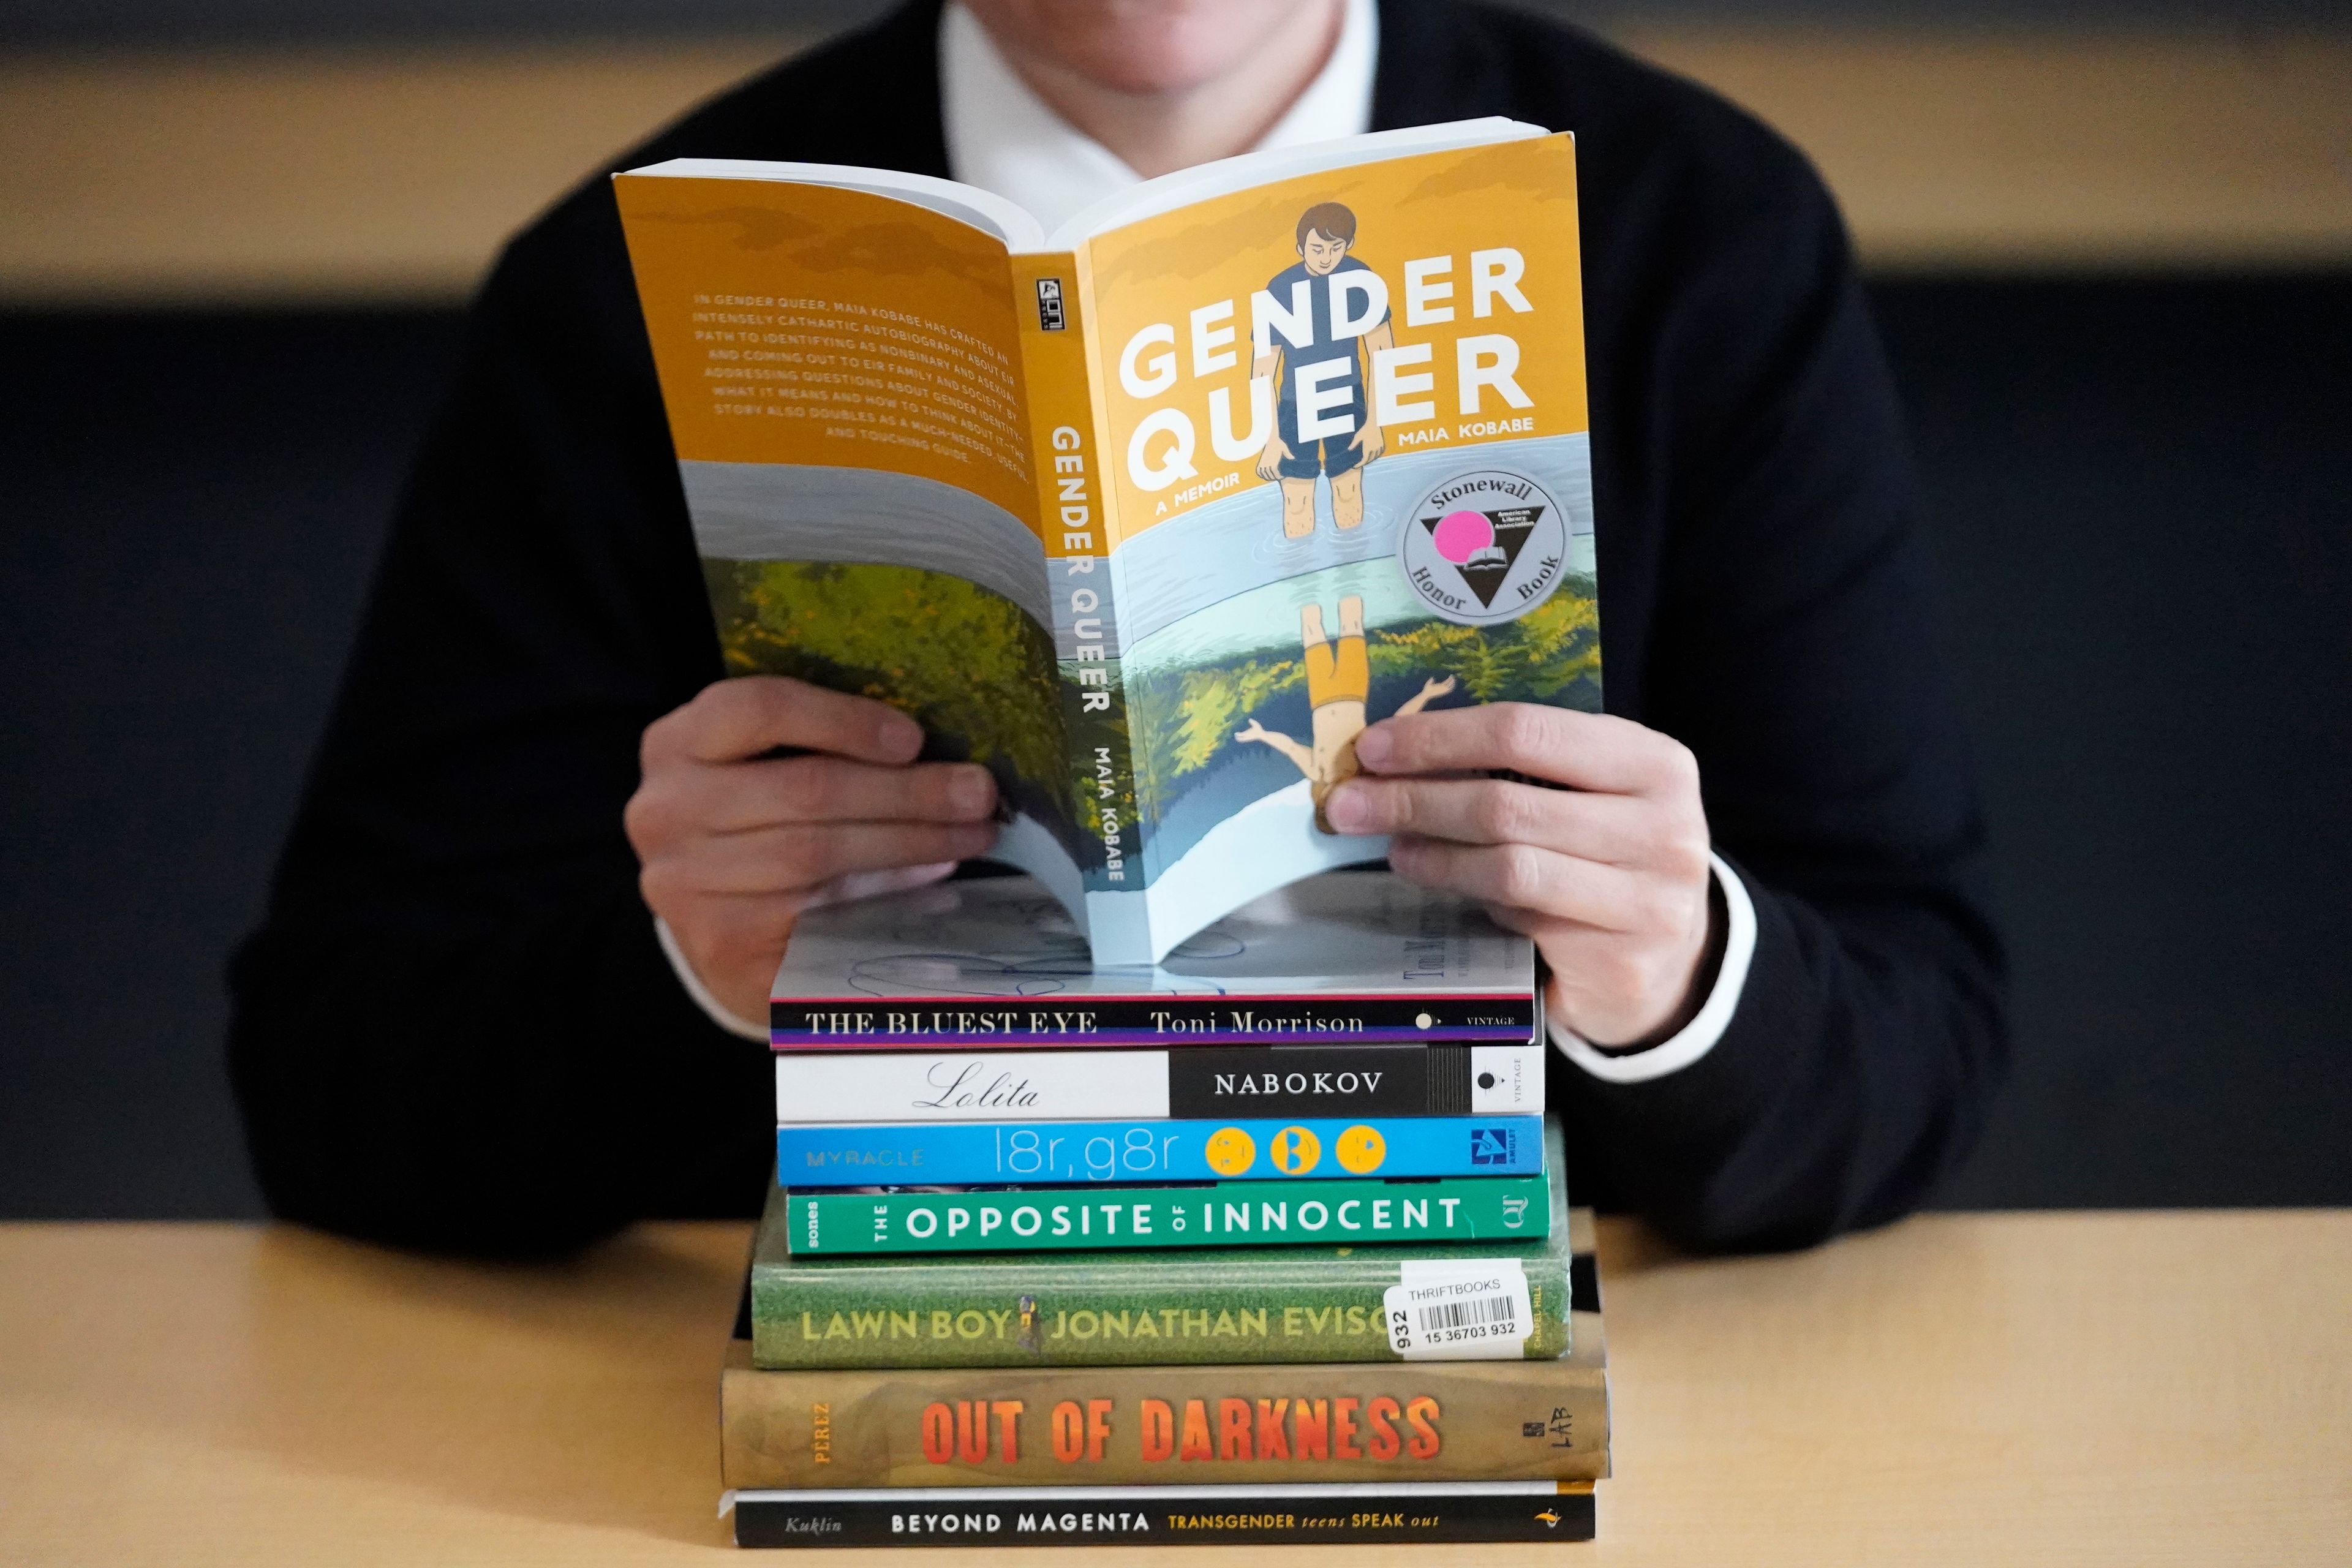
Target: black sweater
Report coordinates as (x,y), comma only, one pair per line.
(456,1029)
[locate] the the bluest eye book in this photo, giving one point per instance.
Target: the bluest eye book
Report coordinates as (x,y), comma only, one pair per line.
(1348,958)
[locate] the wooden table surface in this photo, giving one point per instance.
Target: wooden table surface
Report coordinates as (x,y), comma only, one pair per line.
(2056,1388)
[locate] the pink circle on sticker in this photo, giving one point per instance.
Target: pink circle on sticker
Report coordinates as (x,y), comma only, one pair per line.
(1459,535)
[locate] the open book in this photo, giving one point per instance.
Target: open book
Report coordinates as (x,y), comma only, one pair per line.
(1152,515)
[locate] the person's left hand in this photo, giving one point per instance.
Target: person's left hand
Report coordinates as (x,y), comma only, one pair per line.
(1370,440)
(1609,876)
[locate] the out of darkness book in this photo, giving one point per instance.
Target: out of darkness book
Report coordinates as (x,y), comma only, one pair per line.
(1287,1303)
(1229,1423)
(1152,515)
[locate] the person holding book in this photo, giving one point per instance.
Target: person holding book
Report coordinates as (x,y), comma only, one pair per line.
(1338,680)
(545,855)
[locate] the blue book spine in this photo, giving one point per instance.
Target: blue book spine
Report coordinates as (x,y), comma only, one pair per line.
(988,1154)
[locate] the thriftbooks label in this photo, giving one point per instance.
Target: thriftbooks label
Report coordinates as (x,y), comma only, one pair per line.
(1444,1310)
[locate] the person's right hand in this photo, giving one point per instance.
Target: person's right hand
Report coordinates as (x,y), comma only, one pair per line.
(1270,461)
(734,846)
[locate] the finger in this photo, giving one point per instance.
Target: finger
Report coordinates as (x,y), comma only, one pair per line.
(805,858)
(1612,830)
(693,800)
(874,884)
(731,798)
(1587,751)
(1543,881)
(736,719)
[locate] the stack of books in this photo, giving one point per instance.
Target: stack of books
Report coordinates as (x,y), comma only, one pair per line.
(1267,1243)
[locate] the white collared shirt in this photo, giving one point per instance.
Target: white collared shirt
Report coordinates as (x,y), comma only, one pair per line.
(1003,138)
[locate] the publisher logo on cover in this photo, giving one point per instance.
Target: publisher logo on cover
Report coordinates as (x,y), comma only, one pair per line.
(1492,1146)
(1484,548)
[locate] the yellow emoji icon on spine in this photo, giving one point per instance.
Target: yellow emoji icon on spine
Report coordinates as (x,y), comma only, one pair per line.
(1361,1149)
(1231,1151)
(1294,1150)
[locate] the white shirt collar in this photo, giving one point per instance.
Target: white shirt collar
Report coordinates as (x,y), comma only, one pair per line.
(1003,138)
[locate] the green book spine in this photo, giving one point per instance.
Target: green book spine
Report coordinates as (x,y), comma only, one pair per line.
(1221,1213)
(1410,1301)
(1226,1424)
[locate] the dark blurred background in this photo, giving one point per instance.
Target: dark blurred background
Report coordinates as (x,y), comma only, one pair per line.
(2110,247)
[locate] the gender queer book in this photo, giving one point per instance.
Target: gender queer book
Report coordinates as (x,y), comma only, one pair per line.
(1488,1300)
(1353,958)
(1151,515)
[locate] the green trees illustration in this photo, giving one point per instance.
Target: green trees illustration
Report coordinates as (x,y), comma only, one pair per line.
(966,664)
(980,678)
(1184,718)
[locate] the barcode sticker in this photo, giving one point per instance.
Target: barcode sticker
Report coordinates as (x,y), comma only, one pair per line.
(1448,1310)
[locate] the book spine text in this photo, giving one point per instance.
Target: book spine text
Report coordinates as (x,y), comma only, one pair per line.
(867,1023)
(1097,1310)
(1067,460)
(1191,1081)
(1071,1153)
(1439,1512)
(1221,1425)
(1230,1214)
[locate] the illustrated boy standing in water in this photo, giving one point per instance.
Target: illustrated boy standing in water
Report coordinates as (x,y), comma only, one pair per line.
(1340,434)
(1338,678)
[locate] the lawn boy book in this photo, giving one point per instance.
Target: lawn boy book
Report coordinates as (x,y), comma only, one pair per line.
(1151,515)
(1189,1082)
(1224,1424)
(1188,1215)
(992,1154)
(1355,957)
(1323,1298)
(1304,1513)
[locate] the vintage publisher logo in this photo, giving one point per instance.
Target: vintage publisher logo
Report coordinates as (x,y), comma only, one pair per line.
(1049,304)
(1484,548)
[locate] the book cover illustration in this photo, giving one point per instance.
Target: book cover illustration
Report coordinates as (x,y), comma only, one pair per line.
(1361,959)
(1152,518)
